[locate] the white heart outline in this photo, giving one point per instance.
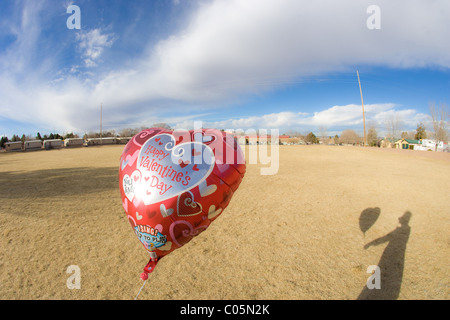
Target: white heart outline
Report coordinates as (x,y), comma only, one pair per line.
(165,212)
(212,212)
(134,184)
(206,190)
(187,204)
(173,140)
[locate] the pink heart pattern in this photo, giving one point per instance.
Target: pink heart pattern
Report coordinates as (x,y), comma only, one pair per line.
(185,232)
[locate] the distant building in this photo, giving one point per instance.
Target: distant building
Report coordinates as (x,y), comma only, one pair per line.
(428,144)
(73,142)
(407,144)
(53,144)
(123,140)
(13,146)
(265,139)
(101,141)
(33,145)
(387,143)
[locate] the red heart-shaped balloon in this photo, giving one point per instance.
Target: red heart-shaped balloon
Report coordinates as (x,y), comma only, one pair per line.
(173,184)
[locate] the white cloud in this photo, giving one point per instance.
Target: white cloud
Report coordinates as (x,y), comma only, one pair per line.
(247,46)
(16,58)
(92,43)
(273,120)
(230,48)
(349,115)
(334,119)
(377,115)
(241,47)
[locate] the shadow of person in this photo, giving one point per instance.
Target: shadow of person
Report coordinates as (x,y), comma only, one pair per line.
(391,263)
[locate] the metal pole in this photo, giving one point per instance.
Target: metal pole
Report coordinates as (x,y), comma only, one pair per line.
(362,102)
(101,114)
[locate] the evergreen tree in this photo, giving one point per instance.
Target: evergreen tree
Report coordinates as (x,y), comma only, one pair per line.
(336,139)
(372,138)
(3,140)
(420,132)
(311,138)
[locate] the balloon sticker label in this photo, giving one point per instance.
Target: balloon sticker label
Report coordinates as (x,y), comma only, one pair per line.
(129,184)
(150,237)
(168,170)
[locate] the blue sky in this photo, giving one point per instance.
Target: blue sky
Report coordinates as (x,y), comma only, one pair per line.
(232,64)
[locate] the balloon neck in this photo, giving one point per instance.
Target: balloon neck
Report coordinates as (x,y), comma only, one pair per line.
(149,268)
(144,276)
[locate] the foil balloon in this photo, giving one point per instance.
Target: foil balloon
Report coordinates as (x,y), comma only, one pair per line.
(173,184)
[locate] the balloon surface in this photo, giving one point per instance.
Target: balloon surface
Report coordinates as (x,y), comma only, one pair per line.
(173,184)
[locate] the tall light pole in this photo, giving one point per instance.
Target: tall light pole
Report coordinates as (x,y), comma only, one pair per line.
(101,115)
(362,102)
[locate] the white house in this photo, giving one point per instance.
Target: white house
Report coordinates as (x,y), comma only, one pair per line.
(13,146)
(123,140)
(33,145)
(73,142)
(53,144)
(101,141)
(428,144)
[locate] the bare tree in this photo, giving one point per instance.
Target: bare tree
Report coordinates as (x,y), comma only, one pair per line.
(161,125)
(349,136)
(408,135)
(439,120)
(103,134)
(323,134)
(294,134)
(129,132)
(393,126)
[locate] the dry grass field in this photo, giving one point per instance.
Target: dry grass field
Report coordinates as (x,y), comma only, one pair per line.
(294,235)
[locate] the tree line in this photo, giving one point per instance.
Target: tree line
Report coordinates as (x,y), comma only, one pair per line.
(127,132)
(350,136)
(439,132)
(23,138)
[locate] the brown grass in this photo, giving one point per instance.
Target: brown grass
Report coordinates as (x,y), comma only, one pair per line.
(293,235)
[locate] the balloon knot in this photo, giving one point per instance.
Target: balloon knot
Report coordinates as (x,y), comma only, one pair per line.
(144,276)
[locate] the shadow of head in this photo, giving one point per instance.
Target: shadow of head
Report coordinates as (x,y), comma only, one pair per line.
(404,219)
